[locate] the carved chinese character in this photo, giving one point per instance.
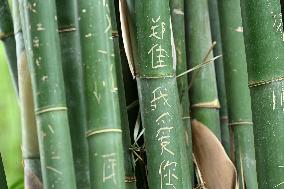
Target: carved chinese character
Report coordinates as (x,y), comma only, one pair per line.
(167,173)
(158,56)
(109,167)
(165,139)
(162,118)
(159,95)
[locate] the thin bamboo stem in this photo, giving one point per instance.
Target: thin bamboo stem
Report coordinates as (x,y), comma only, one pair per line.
(220,77)
(49,93)
(73,79)
(103,113)
(30,146)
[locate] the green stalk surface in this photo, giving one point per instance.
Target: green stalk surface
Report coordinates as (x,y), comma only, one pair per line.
(219,69)
(103,111)
(167,160)
(178,21)
(73,78)
(203,92)
(263,36)
(240,115)
(49,93)
(30,146)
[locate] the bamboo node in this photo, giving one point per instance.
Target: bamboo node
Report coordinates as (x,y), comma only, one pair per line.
(115,34)
(155,77)
(99,131)
(130,179)
(67,29)
(264,82)
(5,35)
(186,117)
(241,123)
(50,109)
(212,104)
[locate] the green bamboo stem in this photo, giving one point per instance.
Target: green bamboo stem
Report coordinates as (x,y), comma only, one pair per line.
(263,36)
(49,94)
(30,147)
(73,77)
(240,115)
(158,95)
(8,39)
(130,179)
(177,13)
(103,113)
(3,181)
(220,77)
(203,93)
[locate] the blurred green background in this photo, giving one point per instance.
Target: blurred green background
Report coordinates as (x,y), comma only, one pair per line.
(10,127)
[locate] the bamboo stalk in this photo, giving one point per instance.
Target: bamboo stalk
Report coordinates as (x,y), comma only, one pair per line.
(130,179)
(240,115)
(220,77)
(103,113)
(30,147)
(48,90)
(204,99)
(177,14)
(73,77)
(158,96)
(3,182)
(263,36)
(8,39)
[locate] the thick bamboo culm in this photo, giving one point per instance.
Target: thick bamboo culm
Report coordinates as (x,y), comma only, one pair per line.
(204,100)
(8,39)
(263,36)
(220,77)
(177,15)
(158,96)
(49,94)
(30,146)
(73,78)
(103,113)
(130,179)
(239,102)
(3,181)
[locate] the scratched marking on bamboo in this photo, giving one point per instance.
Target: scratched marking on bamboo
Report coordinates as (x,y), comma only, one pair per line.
(109,168)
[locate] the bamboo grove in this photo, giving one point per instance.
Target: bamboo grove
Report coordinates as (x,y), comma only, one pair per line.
(138,94)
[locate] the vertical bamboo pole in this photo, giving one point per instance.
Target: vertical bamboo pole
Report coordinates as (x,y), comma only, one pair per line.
(263,35)
(240,115)
(177,15)
(8,39)
(103,113)
(73,77)
(219,69)
(30,147)
(130,179)
(158,96)
(48,90)
(204,99)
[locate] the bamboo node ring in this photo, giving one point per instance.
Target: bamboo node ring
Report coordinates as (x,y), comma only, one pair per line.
(241,123)
(115,34)
(130,179)
(64,30)
(52,109)
(264,82)
(99,131)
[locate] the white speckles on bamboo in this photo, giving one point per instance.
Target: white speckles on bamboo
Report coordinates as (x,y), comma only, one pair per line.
(104,83)
(50,129)
(88,35)
(44,78)
(239,29)
(40,27)
(54,170)
(84,10)
(178,12)
(276,186)
(102,51)
(109,23)
(273,99)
